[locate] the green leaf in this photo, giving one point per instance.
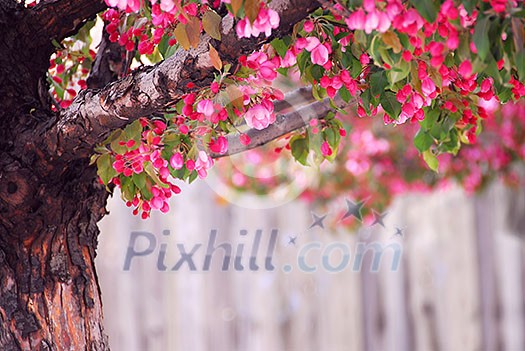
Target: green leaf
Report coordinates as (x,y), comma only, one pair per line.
(318,92)
(431,116)
(390,104)
(163,46)
(192,177)
(302,60)
(391,39)
(170,51)
(193,31)
(332,136)
(378,82)
(280,47)
(115,143)
(505,94)
(452,145)
(481,36)
(182,36)
(431,160)
(211,22)
(366,98)
(139,180)
(426,8)
(345,94)
(151,172)
(251,8)
(398,72)
(423,141)
(437,131)
(133,130)
(236,6)
(127,188)
(300,148)
(317,72)
(519,61)
(105,169)
(469,5)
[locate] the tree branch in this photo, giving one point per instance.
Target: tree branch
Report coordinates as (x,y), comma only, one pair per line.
(283,125)
(109,63)
(95,113)
(340,10)
(62,18)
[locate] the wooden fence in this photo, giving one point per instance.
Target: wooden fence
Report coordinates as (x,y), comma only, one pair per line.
(460,285)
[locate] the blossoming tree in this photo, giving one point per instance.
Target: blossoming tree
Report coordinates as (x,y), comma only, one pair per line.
(176,84)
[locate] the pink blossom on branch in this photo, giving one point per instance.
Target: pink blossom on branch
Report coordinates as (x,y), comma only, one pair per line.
(260,116)
(219,145)
(266,20)
(203,163)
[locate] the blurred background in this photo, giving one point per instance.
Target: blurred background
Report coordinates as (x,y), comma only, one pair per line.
(460,285)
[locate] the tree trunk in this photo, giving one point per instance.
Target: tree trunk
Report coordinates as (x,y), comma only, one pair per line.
(50,199)
(49,294)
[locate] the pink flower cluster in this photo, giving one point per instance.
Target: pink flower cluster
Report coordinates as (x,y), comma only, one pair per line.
(319,53)
(333,84)
(364,146)
(125,5)
(203,163)
(260,115)
(205,109)
(266,20)
(265,68)
(370,18)
(412,104)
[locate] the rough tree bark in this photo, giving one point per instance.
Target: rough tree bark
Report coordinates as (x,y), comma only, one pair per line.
(50,201)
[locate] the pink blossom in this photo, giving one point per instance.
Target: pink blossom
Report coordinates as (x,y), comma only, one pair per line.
(407,56)
(121,4)
(428,87)
(372,21)
(393,9)
(177,161)
(134,5)
(311,43)
(356,21)
(206,107)
(167,5)
(260,116)
(449,10)
(245,139)
(408,22)
(465,69)
(319,52)
(266,20)
(289,59)
(384,22)
(266,68)
(203,163)
(319,55)
(190,165)
(219,146)
(326,150)
(453,41)
(369,5)
(364,59)
(308,26)
(244,28)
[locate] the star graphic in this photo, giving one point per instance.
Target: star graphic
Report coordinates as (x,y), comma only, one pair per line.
(378,218)
(318,221)
(292,239)
(399,232)
(354,209)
